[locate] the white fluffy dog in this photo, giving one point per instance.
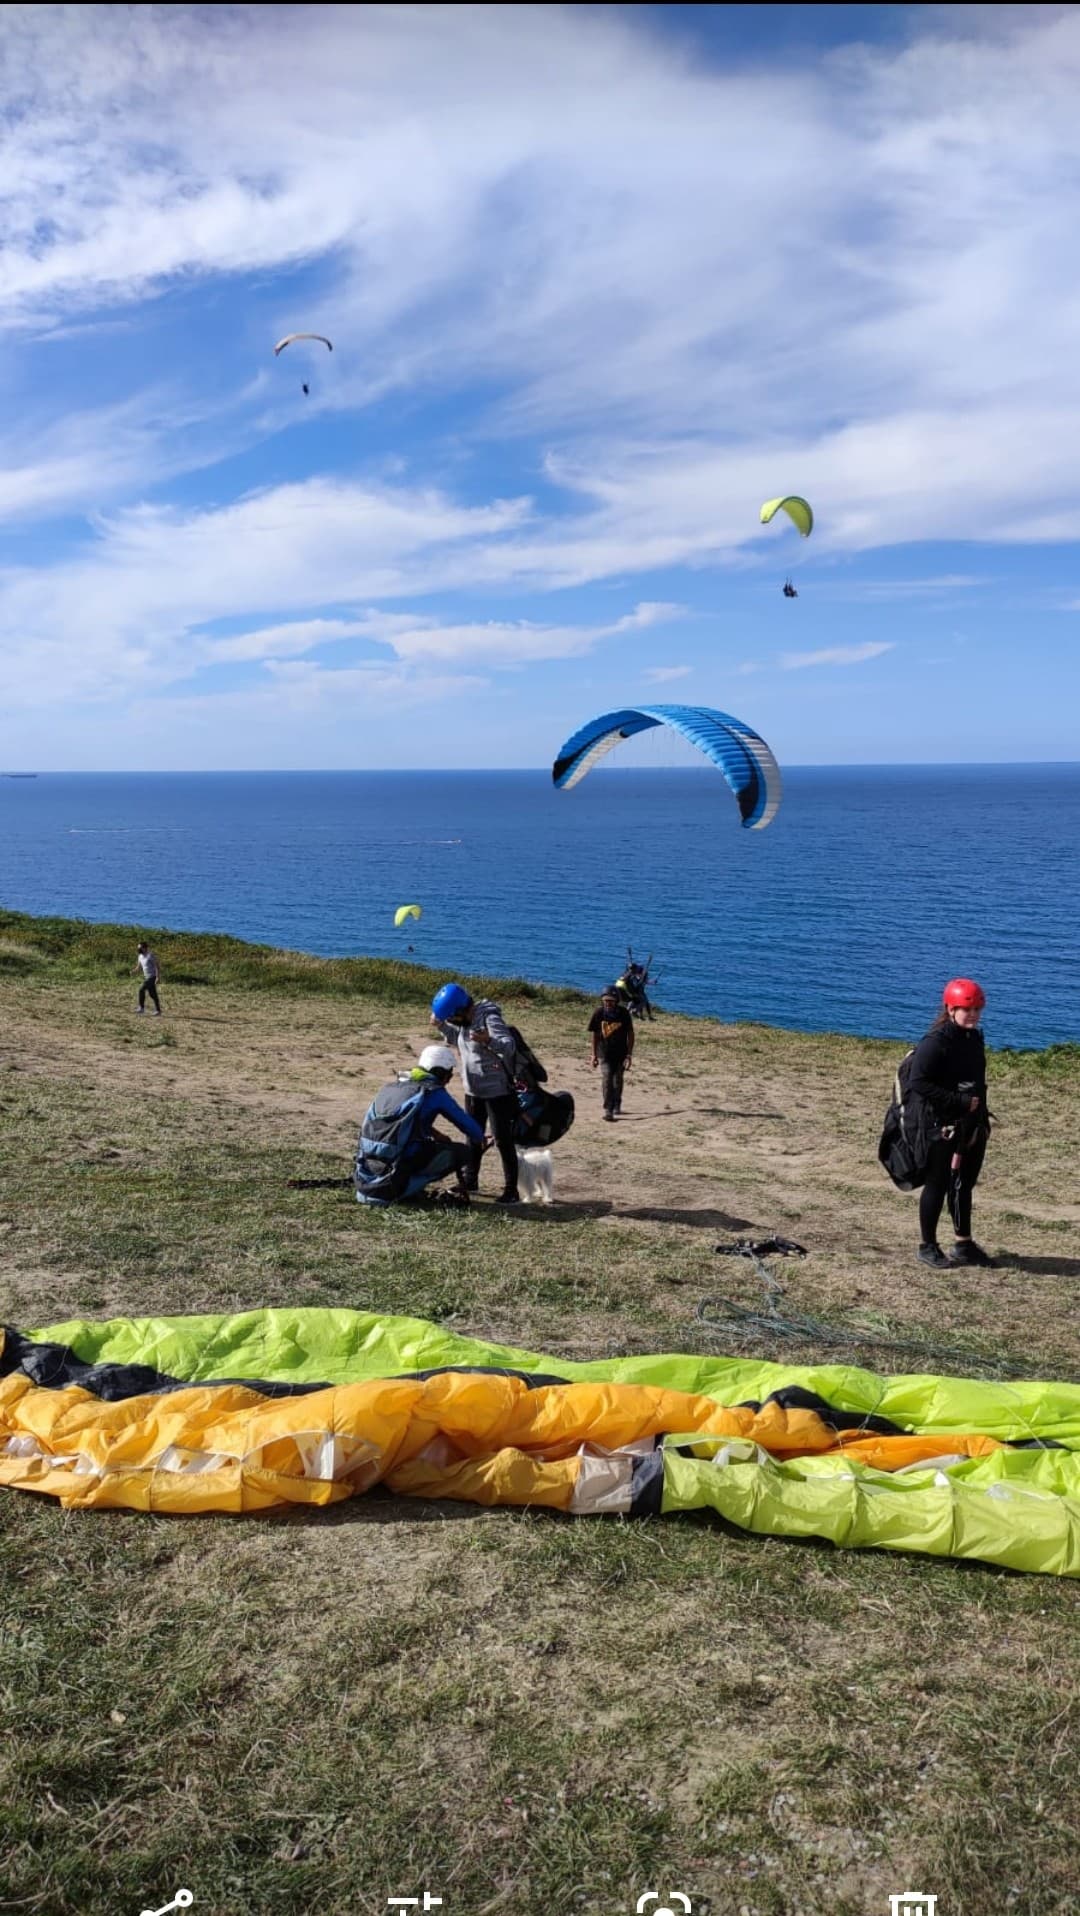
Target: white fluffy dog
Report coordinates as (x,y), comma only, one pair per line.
(536,1175)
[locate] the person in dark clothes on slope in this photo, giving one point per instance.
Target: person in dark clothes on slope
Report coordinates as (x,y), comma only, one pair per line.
(612,1030)
(948,1075)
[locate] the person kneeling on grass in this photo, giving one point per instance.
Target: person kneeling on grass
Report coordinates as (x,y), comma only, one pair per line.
(399,1152)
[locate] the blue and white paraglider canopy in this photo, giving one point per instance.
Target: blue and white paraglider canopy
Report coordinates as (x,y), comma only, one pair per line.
(745,760)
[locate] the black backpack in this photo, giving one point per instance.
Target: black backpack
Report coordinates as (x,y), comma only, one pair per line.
(908,1132)
(526,1063)
(544,1116)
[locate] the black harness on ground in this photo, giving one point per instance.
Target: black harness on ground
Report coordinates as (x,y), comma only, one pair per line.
(762,1247)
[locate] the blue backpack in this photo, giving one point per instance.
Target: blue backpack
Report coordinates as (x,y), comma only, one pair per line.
(381,1171)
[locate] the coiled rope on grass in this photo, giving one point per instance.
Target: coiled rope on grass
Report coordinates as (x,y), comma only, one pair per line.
(771,1321)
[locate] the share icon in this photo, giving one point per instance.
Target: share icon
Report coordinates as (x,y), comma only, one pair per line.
(182,1900)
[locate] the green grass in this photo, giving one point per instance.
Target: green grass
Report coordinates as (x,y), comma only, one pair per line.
(523,1713)
(76,950)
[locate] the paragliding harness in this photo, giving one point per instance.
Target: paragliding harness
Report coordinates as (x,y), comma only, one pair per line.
(631,987)
(789,590)
(543,1116)
(908,1133)
(381,1173)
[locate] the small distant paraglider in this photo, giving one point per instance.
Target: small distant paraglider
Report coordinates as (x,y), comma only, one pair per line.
(801,515)
(290,339)
(406,911)
(744,758)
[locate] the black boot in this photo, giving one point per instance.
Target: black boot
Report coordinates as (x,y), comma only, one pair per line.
(966,1251)
(933,1255)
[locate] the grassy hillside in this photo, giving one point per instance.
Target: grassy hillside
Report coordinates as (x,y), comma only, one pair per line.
(519,1712)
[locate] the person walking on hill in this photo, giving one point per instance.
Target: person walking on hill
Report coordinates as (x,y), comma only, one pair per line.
(612,1030)
(948,1076)
(486,1051)
(151,972)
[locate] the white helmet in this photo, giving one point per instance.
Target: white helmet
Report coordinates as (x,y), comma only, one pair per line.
(436,1057)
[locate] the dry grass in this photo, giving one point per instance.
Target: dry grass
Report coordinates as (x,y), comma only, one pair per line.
(519,1712)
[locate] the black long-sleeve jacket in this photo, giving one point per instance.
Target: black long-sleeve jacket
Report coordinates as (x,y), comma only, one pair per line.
(949,1056)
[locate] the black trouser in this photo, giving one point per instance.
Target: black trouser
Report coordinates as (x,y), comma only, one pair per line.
(435,1158)
(148,988)
(944,1185)
(502,1115)
(611,1079)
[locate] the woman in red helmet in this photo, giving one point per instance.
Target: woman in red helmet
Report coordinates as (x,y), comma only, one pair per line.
(948,1074)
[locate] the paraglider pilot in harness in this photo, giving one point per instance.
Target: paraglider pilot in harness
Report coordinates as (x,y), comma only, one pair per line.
(399,1152)
(632,987)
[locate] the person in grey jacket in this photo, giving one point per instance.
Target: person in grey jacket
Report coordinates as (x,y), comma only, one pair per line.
(486,1049)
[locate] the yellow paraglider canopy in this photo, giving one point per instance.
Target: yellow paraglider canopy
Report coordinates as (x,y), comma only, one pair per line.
(407,911)
(798,511)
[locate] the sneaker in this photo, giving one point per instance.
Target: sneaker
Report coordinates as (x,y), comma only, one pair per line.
(966,1251)
(141,1009)
(508,1197)
(452,1200)
(609,1117)
(933,1255)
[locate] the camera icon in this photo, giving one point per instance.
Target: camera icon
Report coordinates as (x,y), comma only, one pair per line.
(651,1896)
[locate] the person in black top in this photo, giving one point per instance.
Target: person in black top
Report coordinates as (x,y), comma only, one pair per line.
(948,1074)
(612,1031)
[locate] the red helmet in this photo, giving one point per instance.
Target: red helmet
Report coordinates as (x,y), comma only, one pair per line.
(963,994)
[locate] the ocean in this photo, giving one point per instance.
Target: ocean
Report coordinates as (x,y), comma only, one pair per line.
(872,886)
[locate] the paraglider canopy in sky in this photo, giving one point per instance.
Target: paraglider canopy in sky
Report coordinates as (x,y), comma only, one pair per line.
(291,338)
(798,511)
(407,911)
(744,758)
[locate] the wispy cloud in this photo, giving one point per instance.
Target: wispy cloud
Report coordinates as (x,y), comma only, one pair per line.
(661,674)
(504,643)
(882,591)
(646,377)
(834,655)
(409,149)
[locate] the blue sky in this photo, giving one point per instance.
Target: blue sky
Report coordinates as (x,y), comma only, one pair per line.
(599,281)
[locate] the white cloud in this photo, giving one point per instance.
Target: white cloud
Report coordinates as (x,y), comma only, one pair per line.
(833,655)
(661,674)
(132,609)
(515,642)
(127,609)
(881,591)
(268,642)
(502,642)
(518,193)
(509,201)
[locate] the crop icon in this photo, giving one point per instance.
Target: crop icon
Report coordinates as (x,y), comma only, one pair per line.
(651,1896)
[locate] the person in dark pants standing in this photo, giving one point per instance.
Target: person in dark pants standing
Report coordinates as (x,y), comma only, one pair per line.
(151,972)
(486,1052)
(612,1030)
(948,1075)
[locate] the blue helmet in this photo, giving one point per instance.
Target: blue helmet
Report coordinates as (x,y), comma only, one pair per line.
(450,1001)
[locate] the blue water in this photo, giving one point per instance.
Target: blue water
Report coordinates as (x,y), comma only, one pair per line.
(871,888)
